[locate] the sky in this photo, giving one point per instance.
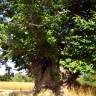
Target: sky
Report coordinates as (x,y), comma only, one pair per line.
(10,64)
(2,68)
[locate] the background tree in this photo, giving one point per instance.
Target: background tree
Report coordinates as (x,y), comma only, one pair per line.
(5,77)
(43,35)
(18,77)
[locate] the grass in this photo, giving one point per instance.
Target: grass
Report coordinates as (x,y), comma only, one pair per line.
(16,85)
(22,87)
(67,92)
(83,81)
(82,92)
(71,92)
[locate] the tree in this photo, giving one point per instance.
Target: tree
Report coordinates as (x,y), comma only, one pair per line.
(18,77)
(42,36)
(5,77)
(8,70)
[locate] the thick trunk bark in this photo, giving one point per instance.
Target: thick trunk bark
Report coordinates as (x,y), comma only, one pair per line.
(43,73)
(44,77)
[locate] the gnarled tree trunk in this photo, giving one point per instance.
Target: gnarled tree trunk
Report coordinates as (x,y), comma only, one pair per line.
(44,71)
(69,78)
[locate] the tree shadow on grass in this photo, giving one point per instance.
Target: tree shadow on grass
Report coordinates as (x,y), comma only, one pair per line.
(21,93)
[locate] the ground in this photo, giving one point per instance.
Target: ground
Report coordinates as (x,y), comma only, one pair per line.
(25,89)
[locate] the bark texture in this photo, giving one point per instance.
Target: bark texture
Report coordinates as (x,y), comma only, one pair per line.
(45,72)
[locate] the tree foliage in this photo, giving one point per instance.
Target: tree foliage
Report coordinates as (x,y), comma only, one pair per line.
(21,78)
(5,77)
(60,32)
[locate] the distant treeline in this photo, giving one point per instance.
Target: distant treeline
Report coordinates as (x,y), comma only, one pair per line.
(18,77)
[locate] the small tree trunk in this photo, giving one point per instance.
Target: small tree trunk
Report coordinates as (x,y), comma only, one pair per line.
(69,78)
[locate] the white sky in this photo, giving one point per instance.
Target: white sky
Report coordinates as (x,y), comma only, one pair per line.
(10,64)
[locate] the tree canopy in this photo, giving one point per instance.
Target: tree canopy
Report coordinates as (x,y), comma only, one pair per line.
(60,32)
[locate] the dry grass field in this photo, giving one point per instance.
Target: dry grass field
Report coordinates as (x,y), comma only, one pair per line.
(71,92)
(25,89)
(16,85)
